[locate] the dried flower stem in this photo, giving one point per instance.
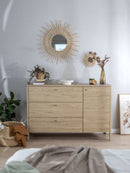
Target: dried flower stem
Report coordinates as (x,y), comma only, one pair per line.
(100,62)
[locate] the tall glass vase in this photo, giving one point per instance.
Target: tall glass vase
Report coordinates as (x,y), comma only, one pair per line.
(102,77)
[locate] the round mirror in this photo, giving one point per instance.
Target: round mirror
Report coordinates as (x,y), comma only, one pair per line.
(59,42)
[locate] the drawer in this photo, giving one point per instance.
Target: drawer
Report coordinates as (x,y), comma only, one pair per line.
(94,91)
(41,110)
(55,125)
(55,94)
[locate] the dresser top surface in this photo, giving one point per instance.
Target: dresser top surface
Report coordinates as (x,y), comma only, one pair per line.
(72,85)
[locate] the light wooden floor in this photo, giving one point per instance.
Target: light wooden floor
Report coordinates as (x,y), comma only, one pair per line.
(90,140)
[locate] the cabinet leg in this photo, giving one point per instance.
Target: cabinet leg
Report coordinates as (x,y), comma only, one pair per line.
(109,136)
(28,138)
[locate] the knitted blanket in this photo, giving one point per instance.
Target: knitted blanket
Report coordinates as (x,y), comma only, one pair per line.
(61,159)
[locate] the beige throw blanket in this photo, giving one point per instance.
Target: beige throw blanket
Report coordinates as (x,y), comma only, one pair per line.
(52,159)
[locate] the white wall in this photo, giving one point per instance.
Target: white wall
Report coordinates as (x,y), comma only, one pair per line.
(102,26)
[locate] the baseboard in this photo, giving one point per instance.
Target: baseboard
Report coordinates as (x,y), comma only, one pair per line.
(115,130)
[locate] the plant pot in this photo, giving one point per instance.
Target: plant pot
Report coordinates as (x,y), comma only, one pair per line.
(40,76)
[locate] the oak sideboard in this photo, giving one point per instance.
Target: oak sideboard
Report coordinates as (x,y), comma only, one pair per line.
(78,108)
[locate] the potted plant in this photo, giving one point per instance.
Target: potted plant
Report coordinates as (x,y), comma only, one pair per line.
(102,63)
(7,108)
(90,60)
(39,72)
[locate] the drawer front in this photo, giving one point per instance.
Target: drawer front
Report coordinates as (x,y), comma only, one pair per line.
(97,91)
(55,94)
(41,110)
(55,125)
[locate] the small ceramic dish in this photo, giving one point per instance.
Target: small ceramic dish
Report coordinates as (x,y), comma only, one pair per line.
(66,82)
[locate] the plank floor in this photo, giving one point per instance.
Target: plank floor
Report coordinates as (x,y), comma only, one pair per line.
(91,140)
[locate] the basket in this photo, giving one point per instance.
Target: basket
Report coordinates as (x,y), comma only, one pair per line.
(5,138)
(11,123)
(8,141)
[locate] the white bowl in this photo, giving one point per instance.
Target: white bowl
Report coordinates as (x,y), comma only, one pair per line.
(66,82)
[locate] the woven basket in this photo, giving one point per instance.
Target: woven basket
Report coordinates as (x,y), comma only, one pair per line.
(5,138)
(11,123)
(8,141)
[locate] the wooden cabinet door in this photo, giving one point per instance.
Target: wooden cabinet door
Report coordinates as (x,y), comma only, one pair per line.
(97,109)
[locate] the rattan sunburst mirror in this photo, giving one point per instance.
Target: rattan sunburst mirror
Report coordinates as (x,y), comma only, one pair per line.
(57,41)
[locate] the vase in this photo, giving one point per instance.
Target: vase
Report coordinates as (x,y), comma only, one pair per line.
(102,77)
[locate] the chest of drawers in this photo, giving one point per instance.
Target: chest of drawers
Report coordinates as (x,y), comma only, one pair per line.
(69,109)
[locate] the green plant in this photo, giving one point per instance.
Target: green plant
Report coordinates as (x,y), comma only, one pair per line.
(37,69)
(7,108)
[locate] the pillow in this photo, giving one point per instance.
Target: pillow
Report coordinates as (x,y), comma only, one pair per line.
(22,154)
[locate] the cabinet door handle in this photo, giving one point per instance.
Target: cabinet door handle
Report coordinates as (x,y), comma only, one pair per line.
(86,90)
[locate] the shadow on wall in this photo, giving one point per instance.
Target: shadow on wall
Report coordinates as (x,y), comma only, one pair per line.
(85,75)
(69,72)
(115,112)
(75,70)
(82,71)
(17,84)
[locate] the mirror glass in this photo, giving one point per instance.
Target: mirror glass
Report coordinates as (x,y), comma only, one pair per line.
(59,42)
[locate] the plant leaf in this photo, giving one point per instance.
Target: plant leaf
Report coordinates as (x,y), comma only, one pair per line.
(11,109)
(7,107)
(3,104)
(11,95)
(10,101)
(6,100)
(16,102)
(1,109)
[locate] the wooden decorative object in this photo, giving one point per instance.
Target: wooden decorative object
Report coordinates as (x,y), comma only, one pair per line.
(50,34)
(89,59)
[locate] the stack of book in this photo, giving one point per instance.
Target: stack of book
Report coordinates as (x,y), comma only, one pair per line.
(39,82)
